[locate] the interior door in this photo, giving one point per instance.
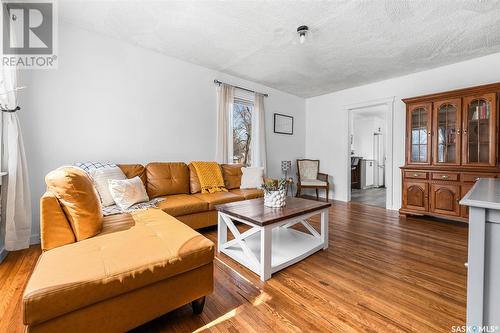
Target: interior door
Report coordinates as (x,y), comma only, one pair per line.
(447,132)
(479,128)
(444,199)
(419,133)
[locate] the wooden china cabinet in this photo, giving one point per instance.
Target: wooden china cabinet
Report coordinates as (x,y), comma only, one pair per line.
(451,141)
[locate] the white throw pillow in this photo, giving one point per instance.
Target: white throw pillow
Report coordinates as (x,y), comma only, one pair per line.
(101,177)
(252,177)
(128,192)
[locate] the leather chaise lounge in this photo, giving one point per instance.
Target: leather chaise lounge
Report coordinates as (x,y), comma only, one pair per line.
(139,265)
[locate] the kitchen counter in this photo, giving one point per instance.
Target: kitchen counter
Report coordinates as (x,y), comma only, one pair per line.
(483,275)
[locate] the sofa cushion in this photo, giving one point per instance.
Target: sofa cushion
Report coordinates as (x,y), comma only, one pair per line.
(78,198)
(199,220)
(232,175)
(249,193)
(167,179)
(115,223)
(218,198)
(134,170)
(55,229)
(182,204)
(77,275)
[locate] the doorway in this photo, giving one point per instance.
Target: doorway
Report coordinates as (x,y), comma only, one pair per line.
(370,153)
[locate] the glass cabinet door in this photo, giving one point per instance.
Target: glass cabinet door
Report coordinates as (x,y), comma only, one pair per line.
(419,122)
(479,126)
(446,145)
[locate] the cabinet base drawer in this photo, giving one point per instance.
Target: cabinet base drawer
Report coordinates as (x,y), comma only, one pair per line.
(415,174)
(470,177)
(451,176)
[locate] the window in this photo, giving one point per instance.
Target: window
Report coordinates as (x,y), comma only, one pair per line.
(242,131)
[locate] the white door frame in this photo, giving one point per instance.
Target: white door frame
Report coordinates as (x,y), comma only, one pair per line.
(389,143)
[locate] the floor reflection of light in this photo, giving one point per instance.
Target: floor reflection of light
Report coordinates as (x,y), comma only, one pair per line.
(233,270)
(219,320)
(263,297)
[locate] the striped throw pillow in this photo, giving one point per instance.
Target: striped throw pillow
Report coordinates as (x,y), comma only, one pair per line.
(101,178)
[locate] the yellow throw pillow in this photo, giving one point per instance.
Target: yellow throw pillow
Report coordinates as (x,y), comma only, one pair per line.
(79,200)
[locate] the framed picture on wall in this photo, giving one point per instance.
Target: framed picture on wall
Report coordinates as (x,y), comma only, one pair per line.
(283,124)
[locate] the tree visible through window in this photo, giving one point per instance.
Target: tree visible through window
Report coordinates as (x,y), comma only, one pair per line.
(242,132)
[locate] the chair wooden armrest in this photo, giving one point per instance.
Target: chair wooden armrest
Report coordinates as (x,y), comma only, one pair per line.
(323,177)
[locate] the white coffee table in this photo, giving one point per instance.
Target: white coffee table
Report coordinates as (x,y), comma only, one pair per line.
(271,244)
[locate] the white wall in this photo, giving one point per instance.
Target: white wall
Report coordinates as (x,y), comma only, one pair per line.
(110,100)
(327,124)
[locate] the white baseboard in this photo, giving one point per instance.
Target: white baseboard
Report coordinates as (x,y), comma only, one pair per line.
(35,239)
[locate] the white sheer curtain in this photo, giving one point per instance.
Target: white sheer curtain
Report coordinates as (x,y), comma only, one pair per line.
(16,198)
(259,132)
(225,100)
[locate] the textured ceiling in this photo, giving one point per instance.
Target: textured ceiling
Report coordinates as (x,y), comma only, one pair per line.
(352,42)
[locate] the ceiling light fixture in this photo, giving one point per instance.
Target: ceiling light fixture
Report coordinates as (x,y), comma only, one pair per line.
(302,31)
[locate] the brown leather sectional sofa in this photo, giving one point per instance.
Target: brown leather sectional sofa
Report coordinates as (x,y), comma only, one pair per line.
(140,266)
(179,184)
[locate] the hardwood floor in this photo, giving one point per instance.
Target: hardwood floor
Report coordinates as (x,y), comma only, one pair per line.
(380,274)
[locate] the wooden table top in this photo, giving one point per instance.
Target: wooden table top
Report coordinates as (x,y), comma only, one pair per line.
(255,212)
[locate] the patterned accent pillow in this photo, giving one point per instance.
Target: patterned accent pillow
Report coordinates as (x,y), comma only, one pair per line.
(89,166)
(127,192)
(101,178)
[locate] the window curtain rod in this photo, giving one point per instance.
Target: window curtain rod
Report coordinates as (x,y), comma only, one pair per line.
(219,83)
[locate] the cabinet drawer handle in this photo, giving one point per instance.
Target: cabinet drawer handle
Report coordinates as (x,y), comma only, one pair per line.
(416,174)
(466,264)
(476,179)
(445,177)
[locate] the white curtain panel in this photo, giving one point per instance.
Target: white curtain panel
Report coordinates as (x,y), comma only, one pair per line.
(225,100)
(259,132)
(16,197)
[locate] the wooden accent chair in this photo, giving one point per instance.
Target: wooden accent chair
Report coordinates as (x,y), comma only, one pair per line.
(309,177)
